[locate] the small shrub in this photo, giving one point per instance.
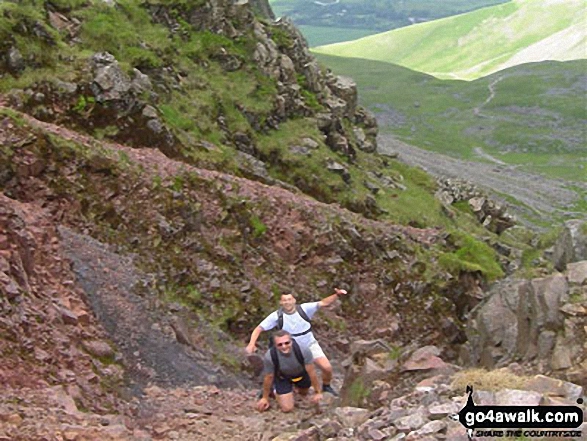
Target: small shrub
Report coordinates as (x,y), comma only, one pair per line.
(358,392)
(395,353)
(281,38)
(83,103)
(259,228)
(472,255)
(178,183)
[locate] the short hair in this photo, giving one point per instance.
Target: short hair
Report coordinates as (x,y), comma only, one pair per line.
(281,333)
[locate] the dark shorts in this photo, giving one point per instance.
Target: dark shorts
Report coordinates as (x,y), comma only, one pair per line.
(285,385)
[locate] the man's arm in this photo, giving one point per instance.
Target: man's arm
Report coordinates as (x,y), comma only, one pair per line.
(311,370)
(331,299)
(263,403)
(253,341)
(267,383)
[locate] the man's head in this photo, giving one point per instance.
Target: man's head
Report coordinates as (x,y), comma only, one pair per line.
(282,341)
(288,303)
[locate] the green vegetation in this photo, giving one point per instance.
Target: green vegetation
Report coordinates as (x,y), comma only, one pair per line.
(395,353)
(259,228)
(333,21)
(471,256)
(411,202)
(535,120)
(481,42)
(208,92)
(123,32)
(357,393)
(83,103)
(16,20)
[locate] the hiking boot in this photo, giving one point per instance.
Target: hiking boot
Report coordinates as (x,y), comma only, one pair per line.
(328,388)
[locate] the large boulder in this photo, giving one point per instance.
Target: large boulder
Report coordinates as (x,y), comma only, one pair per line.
(518,319)
(345,88)
(571,245)
(369,362)
(110,83)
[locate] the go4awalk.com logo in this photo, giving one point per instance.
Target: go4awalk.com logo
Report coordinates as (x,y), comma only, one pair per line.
(520,421)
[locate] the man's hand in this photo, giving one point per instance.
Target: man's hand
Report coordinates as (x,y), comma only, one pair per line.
(339,292)
(331,298)
(262,405)
(316,398)
(250,349)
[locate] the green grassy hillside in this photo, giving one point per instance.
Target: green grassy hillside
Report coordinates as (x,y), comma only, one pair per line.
(343,20)
(535,117)
(481,42)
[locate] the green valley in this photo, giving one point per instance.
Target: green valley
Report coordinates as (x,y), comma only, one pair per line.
(480,42)
(528,116)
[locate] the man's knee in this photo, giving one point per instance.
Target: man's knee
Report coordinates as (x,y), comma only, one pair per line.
(286,407)
(286,402)
(323,364)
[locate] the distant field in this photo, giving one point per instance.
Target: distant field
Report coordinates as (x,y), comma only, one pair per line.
(481,42)
(535,118)
(330,21)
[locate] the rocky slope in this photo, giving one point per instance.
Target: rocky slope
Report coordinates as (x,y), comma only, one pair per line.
(108,251)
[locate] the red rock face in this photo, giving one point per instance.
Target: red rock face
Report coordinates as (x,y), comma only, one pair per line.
(44,317)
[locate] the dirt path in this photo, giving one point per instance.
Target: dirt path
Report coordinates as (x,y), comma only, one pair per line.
(540,196)
(477,110)
(482,154)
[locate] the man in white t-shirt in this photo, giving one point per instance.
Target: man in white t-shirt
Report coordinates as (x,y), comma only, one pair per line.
(296,321)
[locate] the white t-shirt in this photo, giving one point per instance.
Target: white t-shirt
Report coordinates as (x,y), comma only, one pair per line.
(294,323)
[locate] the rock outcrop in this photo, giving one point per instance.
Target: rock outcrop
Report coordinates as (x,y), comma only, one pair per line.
(539,321)
(491,214)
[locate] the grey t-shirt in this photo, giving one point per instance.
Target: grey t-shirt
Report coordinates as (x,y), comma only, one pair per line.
(289,365)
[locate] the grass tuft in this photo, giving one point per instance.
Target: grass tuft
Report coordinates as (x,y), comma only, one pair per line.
(482,379)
